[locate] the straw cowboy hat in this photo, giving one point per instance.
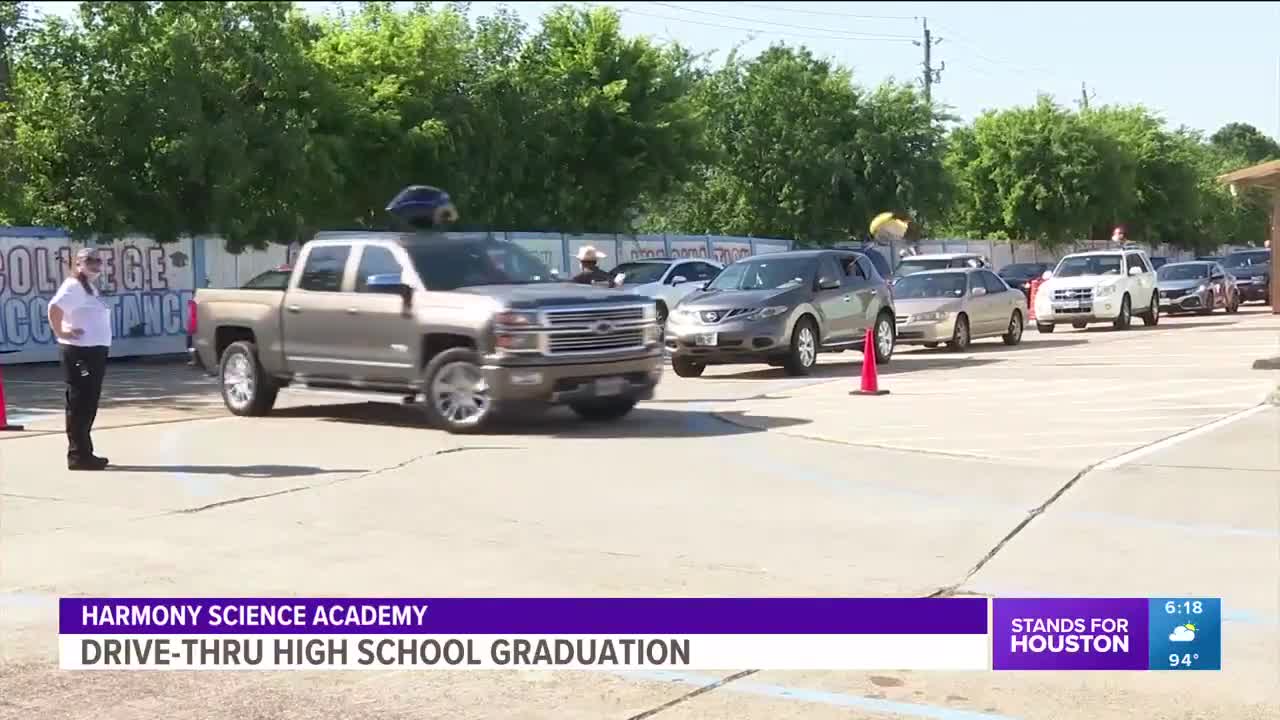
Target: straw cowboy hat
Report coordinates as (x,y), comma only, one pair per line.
(588,253)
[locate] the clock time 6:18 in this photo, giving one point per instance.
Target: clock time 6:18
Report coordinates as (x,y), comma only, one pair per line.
(1185,607)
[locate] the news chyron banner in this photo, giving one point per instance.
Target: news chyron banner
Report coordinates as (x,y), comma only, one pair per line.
(634,633)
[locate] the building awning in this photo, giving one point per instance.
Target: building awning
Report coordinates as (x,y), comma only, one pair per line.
(1266,175)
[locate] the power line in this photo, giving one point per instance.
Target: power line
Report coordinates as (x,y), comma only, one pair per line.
(867,36)
(758,30)
(829,13)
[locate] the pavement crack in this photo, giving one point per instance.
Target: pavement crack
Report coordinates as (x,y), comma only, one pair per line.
(692,694)
(32,497)
(465,448)
(950,590)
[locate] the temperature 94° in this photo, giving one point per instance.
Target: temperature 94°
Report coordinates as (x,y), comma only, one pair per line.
(1183,660)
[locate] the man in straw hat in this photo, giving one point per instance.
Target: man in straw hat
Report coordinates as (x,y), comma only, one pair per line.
(591,274)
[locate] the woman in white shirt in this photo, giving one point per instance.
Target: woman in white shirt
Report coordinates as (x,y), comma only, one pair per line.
(81,321)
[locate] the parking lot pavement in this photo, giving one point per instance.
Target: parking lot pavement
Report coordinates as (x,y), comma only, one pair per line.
(334,497)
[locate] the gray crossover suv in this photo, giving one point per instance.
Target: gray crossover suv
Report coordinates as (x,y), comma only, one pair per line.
(782,309)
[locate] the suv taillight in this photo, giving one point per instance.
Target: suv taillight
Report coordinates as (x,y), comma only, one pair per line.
(191,317)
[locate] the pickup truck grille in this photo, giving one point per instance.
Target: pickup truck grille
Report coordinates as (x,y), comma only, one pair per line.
(576,331)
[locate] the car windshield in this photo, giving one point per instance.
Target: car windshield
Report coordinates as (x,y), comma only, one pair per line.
(640,273)
(1248,259)
(940,285)
(765,274)
(269,280)
(1183,272)
(1082,265)
(1021,269)
(450,265)
(906,267)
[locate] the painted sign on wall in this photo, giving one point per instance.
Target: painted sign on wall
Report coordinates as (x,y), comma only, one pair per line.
(146,284)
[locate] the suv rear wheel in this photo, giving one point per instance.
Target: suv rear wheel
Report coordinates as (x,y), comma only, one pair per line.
(457,396)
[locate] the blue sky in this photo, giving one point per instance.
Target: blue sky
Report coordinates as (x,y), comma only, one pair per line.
(1199,64)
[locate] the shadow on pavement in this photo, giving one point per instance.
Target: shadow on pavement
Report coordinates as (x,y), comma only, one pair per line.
(993,346)
(155,385)
(905,364)
(240,471)
(643,422)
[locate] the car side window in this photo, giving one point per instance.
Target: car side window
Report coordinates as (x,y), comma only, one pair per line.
(375,260)
(324,268)
(993,282)
(699,271)
(828,267)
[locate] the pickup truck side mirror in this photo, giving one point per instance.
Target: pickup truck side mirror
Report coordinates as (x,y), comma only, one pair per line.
(1135,270)
(677,280)
(391,284)
(828,283)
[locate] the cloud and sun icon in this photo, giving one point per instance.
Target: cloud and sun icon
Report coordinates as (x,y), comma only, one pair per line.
(1183,633)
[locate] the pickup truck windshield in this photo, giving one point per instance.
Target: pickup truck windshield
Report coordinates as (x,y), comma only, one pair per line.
(1083,265)
(765,274)
(451,265)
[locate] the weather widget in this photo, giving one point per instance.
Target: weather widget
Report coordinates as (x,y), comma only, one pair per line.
(1186,633)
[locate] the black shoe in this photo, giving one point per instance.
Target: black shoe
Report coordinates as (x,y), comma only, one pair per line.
(86,465)
(99,460)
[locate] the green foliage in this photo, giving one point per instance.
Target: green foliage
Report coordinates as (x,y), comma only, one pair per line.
(253,121)
(1246,142)
(802,153)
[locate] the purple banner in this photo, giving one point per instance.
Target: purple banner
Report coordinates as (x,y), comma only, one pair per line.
(529,616)
(1070,634)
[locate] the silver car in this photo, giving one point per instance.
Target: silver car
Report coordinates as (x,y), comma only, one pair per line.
(783,309)
(956,307)
(1198,286)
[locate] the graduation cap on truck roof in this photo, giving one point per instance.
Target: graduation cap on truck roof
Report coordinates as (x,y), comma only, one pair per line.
(423,206)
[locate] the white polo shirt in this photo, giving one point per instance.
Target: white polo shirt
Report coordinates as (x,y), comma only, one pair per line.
(85,311)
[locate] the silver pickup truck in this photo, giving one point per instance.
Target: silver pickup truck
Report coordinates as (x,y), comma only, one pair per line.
(470,328)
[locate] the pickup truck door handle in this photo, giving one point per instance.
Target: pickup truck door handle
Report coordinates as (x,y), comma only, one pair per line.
(352,311)
(294,308)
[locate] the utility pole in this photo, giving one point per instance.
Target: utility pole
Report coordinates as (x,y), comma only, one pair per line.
(930,75)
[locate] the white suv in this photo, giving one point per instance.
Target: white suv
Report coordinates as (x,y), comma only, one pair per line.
(1094,287)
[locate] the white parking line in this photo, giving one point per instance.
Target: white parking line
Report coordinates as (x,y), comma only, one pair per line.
(1182,437)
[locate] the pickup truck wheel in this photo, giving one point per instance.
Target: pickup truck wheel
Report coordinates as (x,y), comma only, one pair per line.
(603,410)
(1151,317)
(1125,318)
(457,396)
(685,367)
(247,390)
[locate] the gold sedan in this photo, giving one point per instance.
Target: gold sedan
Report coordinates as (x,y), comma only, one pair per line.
(957,306)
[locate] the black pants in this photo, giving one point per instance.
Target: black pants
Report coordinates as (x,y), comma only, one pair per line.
(82,370)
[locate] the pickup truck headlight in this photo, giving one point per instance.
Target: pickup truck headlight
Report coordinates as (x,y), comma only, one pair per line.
(516,342)
(1104,290)
(517,319)
(768,312)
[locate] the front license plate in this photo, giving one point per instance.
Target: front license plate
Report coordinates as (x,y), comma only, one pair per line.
(707,339)
(610,386)
(1068,305)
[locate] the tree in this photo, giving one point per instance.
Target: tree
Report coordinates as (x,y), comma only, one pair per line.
(1247,142)
(804,154)
(174,118)
(1160,174)
(1034,174)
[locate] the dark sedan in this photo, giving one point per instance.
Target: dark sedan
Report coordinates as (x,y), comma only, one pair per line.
(1252,271)
(1020,275)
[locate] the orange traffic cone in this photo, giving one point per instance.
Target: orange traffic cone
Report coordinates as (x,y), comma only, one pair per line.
(4,416)
(870,384)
